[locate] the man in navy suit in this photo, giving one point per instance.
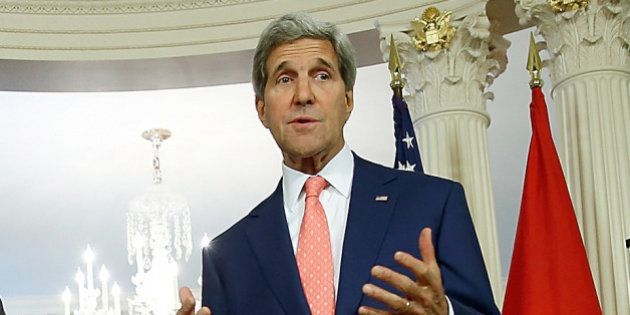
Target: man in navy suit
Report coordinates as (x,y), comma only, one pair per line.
(303,76)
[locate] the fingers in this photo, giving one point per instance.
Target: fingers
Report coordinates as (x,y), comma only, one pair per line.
(426,246)
(397,280)
(393,301)
(427,271)
(423,294)
(426,274)
(187,300)
(416,291)
(424,301)
(365,310)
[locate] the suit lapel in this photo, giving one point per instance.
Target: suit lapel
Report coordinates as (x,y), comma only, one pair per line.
(269,237)
(371,206)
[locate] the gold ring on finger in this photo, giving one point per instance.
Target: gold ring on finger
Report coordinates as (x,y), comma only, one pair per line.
(407,307)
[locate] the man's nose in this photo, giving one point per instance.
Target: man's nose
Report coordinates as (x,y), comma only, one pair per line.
(304,92)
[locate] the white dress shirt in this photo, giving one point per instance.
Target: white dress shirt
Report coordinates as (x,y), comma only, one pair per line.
(335,199)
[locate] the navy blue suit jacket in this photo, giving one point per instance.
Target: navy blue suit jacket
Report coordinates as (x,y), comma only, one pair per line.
(251,268)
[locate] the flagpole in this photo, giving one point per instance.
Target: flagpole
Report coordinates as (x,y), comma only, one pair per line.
(534,65)
(395,68)
(407,150)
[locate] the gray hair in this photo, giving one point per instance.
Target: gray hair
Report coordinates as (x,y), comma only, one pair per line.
(295,26)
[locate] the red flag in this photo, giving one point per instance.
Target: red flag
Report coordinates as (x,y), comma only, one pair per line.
(549,273)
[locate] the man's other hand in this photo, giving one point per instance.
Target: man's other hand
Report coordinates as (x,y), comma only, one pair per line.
(187,299)
(422,295)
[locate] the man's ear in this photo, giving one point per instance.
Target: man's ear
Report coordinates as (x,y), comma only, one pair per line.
(349,103)
(260,108)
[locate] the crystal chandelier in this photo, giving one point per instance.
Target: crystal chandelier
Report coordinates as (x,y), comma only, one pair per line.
(158,235)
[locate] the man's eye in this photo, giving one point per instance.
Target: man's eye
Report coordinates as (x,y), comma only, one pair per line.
(284,80)
(322,76)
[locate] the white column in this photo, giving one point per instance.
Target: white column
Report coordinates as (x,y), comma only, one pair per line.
(590,70)
(447,100)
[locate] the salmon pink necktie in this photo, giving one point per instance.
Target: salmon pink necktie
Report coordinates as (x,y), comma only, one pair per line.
(314,254)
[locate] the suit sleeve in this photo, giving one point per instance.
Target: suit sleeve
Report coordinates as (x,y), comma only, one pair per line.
(463,270)
(212,293)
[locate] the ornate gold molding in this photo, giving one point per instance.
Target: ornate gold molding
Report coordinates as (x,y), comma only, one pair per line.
(85,7)
(560,6)
(580,41)
(432,31)
(475,57)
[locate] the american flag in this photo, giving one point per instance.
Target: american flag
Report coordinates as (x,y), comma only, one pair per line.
(407,154)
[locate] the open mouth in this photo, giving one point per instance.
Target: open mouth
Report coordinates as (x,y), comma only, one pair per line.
(303,120)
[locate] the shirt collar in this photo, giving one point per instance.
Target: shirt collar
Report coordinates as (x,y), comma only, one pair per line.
(338,173)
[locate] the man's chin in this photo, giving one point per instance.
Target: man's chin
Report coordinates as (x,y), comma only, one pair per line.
(311,148)
(304,153)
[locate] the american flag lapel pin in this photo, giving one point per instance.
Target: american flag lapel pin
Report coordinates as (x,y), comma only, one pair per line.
(381,198)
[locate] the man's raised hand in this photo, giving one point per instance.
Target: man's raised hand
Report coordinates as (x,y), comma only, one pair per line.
(187,299)
(424,295)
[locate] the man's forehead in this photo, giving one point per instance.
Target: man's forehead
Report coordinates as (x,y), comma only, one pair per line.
(315,62)
(309,49)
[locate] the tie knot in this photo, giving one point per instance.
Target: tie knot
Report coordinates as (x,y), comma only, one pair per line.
(314,186)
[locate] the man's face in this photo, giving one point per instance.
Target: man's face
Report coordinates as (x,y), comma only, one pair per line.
(306,103)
